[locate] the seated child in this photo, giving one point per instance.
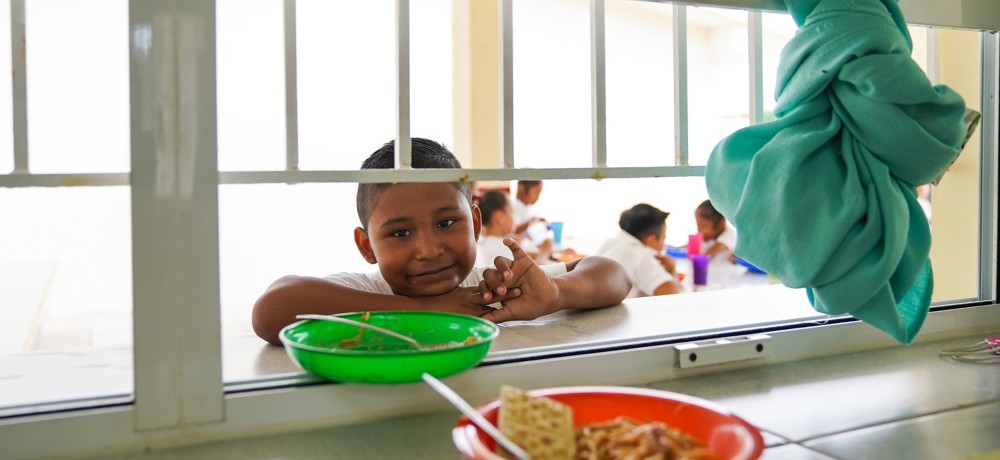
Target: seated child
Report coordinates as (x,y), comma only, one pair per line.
(718,238)
(498,223)
(526,219)
(423,236)
(639,248)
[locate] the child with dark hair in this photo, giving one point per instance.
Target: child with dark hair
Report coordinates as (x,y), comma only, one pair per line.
(639,248)
(527,222)
(423,237)
(498,223)
(718,238)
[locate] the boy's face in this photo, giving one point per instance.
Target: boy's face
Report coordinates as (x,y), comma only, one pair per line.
(657,241)
(422,236)
(709,230)
(530,194)
(504,219)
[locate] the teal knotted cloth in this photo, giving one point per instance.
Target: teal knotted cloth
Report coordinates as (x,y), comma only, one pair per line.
(824,196)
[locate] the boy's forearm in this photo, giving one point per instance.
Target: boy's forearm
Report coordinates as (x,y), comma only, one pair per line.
(295,295)
(593,282)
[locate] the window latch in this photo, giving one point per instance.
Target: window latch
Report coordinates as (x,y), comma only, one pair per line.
(718,351)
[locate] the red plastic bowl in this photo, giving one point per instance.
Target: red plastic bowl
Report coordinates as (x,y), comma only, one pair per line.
(728,435)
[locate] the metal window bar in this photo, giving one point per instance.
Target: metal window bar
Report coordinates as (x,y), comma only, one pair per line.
(20,86)
(291,88)
(506,31)
(755,43)
(989,135)
(680,86)
(403,152)
(598,95)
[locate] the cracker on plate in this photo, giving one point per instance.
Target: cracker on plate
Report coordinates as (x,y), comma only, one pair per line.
(543,427)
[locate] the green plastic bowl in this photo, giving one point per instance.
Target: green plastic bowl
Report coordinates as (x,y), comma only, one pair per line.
(376,358)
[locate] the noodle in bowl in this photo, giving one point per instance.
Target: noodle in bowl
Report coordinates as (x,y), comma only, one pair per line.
(721,431)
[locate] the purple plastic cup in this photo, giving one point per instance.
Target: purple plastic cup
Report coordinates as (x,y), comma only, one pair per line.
(700,264)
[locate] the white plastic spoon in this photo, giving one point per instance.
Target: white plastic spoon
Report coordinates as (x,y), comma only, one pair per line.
(475,416)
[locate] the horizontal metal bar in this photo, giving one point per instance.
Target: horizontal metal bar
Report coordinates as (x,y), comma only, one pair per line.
(959,14)
(63,180)
(454,175)
(366,176)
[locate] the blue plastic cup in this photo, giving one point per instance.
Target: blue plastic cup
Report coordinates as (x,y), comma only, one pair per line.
(556,228)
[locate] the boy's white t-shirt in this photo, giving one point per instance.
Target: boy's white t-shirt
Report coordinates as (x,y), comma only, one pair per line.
(727,237)
(522,212)
(489,247)
(639,261)
(374,282)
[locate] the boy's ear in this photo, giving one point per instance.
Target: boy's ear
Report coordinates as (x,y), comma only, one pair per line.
(649,239)
(364,245)
(477,221)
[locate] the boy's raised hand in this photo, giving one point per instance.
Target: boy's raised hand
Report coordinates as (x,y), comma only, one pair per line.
(524,290)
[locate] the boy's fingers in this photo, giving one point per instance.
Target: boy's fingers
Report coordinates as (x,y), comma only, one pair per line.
(515,248)
(503,267)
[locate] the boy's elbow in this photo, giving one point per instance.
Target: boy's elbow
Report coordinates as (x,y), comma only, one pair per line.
(617,282)
(262,321)
(268,312)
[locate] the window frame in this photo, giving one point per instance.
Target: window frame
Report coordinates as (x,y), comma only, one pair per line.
(179,394)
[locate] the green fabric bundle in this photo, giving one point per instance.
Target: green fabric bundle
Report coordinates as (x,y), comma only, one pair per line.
(824,196)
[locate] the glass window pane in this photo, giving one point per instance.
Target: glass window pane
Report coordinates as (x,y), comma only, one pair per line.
(552,84)
(6,100)
(66,285)
(347,93)
(718,78)
(640,83)
(251,76)
(78,86)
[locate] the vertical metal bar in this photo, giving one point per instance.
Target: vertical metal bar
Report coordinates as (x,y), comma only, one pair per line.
(755,42)
(933,55)
(506,29)
(175,228)
(989,127)
(598,97)
(403,145)
(680,86)
(291,89)
(19,80)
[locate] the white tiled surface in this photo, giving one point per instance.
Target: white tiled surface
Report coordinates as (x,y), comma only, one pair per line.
(892,403)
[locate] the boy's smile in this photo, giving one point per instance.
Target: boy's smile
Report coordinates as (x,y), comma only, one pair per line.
(422,236)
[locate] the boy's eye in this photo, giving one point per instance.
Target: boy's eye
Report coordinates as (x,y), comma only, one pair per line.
(447,223)
(400,234)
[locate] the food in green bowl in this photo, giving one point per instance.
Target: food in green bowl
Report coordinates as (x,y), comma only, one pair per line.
(346,353)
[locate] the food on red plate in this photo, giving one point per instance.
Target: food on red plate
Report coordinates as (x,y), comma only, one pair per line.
(627,438)
(541,426)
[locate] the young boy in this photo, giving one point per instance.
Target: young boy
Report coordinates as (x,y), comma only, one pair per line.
(423,236)
(639,248)
(718,238)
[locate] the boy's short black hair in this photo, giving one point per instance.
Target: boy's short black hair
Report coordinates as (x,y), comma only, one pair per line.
(706,210)
(490,202)
(528,184)
(425,154)
(642,220)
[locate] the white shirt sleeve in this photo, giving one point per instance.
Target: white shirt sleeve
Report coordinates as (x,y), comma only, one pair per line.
(728,237)
(649,275)
(369,282)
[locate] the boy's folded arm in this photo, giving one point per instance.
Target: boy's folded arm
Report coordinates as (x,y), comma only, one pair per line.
(593,282)
(294,295)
